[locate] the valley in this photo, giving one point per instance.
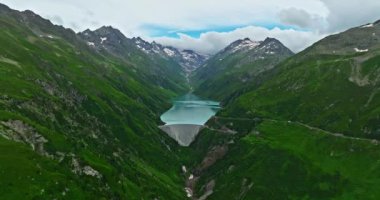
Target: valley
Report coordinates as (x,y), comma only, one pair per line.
(98,115)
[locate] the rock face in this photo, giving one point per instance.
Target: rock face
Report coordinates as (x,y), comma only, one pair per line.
(188,59)
(184,134)
(21,132)
(109,41)
(113,41)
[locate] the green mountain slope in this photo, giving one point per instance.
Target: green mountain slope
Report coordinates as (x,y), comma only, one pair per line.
(161,71)
(84,122)
(282,160)
(307,132)
(79,116)
(238,68)
(333,85)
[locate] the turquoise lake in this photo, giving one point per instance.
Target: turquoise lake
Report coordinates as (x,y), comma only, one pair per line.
(190,109)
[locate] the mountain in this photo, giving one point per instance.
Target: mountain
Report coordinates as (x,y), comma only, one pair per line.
(110,41)
(188,59)
(310,130)
(79,116)
(333,85)
(237,67)
(80,121)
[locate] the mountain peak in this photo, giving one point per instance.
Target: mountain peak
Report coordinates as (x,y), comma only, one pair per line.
(241,45)
(29,13)
(138,38)
(105,37)
(271,42)
(108,30)
(4,7)
(143,45)
(269,39)
(272,46)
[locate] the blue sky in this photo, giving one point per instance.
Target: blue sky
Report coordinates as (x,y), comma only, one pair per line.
(209,25)
(160,31)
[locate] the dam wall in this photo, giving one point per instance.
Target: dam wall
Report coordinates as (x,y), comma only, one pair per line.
(184,134)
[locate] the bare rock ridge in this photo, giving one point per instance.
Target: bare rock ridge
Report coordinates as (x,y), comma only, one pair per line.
(112,40)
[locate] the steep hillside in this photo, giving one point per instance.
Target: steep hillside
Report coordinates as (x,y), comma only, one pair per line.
(333,85)
(79,123)
(110,41)
(238,68)
(310,131)
(79,116)
(286,160)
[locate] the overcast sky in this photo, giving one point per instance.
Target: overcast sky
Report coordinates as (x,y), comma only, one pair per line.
(209,25)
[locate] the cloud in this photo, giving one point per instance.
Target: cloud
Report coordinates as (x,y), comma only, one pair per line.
(346,14)
(211,42)
(300,18)
(203,23)
(56,19)
(130,15)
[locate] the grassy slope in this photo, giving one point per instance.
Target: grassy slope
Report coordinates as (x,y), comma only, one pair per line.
(227,83)
(101,110)
(290,161)
(25,175)
(318,91)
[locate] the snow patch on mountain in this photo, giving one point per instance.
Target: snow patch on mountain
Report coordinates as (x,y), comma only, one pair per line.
(360,50)
(169,52)
(367,26)
(117,43)
(246,44)
(103,39)
(188,59)
(91,44)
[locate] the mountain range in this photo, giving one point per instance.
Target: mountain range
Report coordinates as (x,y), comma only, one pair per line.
(80,116)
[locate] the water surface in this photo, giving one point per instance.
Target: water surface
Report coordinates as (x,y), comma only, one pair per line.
(190,109)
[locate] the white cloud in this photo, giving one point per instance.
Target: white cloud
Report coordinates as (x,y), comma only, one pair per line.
(301,18)
(130,15)
(319,17)
(346,14)
(212,42)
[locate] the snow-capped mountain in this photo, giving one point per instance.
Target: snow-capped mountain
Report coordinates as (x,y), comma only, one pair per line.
(104,37)
(239,64)
(241,45)
(257,49)
(112,40)
(188,59)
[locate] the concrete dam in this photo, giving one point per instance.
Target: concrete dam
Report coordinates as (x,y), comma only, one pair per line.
(184,120)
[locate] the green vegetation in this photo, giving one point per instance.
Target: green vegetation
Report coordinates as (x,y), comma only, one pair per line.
(335,93)
(78,122)
(279,150)
(92,108)
(233,71)
(281,160)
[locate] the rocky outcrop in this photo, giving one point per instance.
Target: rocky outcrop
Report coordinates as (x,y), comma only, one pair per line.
(86,170)
(18,131)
